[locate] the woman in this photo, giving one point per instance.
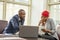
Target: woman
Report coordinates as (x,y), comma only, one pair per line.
(47,27)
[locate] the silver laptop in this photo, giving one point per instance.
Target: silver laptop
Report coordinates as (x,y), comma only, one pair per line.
(28,31)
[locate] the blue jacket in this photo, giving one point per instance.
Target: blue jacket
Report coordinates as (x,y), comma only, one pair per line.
(13,25)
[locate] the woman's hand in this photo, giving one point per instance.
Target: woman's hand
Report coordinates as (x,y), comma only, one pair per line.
(45,30)
(41,22)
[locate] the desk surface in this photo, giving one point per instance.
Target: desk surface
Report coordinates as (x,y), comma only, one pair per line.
(15,37)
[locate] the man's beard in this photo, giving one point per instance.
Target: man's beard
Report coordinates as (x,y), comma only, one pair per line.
(22,18)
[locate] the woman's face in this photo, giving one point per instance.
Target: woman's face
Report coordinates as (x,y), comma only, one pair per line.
(44,18)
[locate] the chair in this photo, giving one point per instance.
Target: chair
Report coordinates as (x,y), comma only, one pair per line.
(58,31)
(3,24)
(59,36)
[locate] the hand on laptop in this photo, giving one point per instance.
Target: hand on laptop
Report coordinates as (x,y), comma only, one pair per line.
(17,32)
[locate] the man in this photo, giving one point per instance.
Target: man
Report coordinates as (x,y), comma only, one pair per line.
(13,25)
(47,27)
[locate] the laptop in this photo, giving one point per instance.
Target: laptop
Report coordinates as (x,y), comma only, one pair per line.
(28,31)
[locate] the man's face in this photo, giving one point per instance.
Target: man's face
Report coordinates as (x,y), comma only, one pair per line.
(22,14)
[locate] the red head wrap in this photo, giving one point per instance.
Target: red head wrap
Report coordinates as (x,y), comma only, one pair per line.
(45,13)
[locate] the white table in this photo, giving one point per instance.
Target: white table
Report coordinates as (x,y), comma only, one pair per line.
(15,37)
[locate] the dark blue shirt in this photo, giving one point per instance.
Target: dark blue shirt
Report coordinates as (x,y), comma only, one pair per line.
(13,25)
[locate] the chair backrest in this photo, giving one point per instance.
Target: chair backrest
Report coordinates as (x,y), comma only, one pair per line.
(58,36)
(3,24)
(58,30)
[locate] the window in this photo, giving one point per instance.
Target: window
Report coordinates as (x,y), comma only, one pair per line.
(12,9)
(22,1)
(9,11)
(9,0)
(55,1)
(1,10)
(55,10)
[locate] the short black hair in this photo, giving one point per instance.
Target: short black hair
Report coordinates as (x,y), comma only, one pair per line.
(21,10)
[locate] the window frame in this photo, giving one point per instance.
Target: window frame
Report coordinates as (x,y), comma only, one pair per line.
(13,2)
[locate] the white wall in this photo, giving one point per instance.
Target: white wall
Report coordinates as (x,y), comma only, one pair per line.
(37,7)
